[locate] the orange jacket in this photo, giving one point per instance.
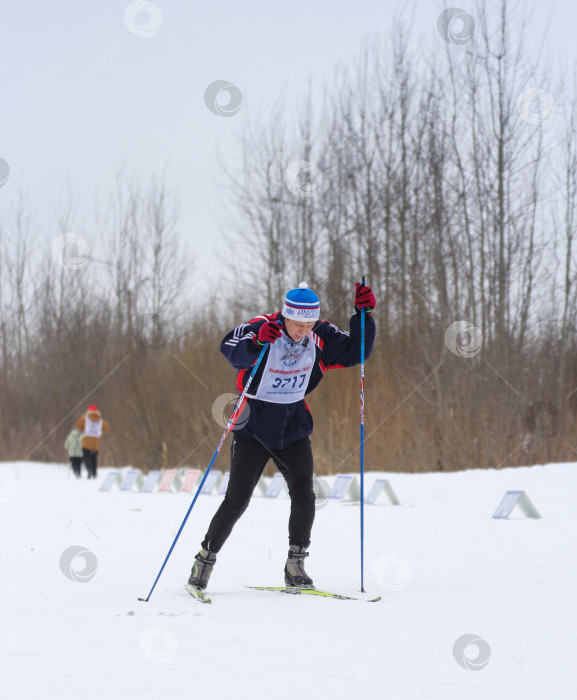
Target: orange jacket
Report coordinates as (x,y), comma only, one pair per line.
(89,442)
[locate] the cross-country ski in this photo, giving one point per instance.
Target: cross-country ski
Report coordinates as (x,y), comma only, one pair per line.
(296,590)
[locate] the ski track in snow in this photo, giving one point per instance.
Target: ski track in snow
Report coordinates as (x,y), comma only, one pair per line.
(443,566)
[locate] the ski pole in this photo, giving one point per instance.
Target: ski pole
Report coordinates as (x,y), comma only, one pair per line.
(231,422)
(362,442)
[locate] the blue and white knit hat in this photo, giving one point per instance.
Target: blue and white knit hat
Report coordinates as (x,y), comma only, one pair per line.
(301,304)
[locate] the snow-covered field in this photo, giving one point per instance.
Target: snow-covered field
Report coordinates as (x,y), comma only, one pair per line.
(444,568)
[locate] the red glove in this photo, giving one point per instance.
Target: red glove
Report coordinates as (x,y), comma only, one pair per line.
(364,298)
(268,333)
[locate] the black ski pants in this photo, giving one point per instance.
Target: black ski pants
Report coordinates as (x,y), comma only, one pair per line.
(90,462)
(247,463)
(76,463)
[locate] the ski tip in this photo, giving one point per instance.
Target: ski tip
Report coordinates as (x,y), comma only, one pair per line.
(197,593)
(363,595)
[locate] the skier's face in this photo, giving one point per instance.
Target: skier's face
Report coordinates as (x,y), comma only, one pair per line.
(297,330)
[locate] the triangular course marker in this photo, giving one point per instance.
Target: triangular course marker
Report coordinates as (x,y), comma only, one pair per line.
(261,488)
(223,484)
(113,477)
(377,487)
(190,479)
(152,479)
(132,479)
(276,485)
(345,488)
(170,481)
(212,482)
(512,499)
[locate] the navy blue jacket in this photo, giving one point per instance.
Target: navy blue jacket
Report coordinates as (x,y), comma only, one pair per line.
(279,425)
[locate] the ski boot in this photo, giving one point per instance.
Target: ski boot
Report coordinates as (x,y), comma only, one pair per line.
(294,570)
(202,569)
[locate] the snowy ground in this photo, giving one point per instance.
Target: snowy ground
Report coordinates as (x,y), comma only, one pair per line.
(443,566)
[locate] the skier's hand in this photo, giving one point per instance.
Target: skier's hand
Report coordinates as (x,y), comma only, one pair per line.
(268,333)
(364,298)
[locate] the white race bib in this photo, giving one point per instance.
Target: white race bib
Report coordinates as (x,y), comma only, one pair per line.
(92,428)
(287,371)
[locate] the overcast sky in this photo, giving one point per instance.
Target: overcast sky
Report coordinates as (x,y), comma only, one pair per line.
(89,86)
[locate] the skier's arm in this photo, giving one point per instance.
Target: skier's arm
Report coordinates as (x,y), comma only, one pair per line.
(240,346)
(342,349)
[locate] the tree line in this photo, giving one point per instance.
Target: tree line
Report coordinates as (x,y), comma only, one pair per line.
(447,177)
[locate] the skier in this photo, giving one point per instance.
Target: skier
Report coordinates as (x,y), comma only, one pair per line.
(275,423)
(92,427)
(73,445)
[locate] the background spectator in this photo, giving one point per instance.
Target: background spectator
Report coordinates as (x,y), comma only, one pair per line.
(92,427)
